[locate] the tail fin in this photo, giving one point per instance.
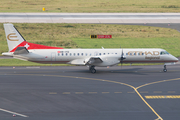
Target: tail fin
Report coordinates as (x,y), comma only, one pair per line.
(13,37)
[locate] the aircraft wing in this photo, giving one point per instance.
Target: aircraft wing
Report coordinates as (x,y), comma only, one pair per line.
(77,62)
(87,61)
(94,60)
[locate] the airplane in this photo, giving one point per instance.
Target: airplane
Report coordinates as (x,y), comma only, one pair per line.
(19,48)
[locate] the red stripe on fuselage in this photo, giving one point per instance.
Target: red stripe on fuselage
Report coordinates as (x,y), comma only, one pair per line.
(30,46)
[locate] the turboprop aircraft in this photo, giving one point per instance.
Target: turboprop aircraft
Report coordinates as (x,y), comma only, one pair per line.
(21,49)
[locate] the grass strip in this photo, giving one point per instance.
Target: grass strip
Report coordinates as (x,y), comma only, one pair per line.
(90,6)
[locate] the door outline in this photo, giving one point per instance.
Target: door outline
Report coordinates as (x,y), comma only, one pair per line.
(53,56)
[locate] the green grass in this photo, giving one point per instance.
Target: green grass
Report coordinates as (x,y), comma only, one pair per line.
(89,6)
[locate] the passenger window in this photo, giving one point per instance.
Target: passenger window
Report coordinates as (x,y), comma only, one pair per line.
(78,54)
(66,54)
(99,53)
(74,54)
(116,53)
(130,53)
(104,53)
(86,54)
(126,53)
(134,53)
(62,54)
(138,53)
(142,53)
(70,54)
(90,54)
(82,54)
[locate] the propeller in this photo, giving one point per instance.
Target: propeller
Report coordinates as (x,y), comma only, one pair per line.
(122,58)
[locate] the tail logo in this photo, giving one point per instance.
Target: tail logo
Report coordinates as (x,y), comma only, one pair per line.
(12,37)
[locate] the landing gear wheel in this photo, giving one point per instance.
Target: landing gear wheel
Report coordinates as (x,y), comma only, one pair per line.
(93,70)
(165,70)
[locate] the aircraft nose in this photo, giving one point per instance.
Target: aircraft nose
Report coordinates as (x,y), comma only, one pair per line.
(175,59)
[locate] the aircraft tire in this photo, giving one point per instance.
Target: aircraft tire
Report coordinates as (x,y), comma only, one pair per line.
(165,70)
(93,70)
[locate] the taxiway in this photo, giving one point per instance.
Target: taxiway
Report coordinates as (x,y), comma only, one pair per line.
(73,93)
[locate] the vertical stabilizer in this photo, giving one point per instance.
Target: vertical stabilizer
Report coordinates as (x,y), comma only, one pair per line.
(13,37)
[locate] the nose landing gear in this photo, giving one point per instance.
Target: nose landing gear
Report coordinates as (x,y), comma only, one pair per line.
(165,70)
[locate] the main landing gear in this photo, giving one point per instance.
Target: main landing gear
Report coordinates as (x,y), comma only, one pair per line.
(92,69)
(165,70)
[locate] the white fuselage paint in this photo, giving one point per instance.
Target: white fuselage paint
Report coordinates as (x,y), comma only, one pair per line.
(108,56)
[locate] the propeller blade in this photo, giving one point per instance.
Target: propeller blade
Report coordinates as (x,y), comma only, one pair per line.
(122,58)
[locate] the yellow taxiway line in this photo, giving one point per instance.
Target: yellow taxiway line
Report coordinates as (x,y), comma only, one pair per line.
(135,89)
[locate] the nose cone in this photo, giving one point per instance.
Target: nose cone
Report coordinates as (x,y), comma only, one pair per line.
(175,59)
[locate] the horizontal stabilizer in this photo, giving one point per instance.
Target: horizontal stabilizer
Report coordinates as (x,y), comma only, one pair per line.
(21,50)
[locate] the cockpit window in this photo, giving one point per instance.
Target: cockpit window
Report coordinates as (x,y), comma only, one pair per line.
(164,52)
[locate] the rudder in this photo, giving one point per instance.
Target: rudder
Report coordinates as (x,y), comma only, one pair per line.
(13,37)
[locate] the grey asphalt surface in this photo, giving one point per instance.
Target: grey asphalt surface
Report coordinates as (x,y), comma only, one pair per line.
(72,93)
(155,16)
(90,17)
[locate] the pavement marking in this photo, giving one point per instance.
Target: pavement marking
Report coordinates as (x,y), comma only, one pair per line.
(158,82)
(14,113)
(92,92)
(171,91)
(163,97)
(144,92)
(159,117)
(78,92)
(109,92)
(117,92)
(52,93)
(157,91)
